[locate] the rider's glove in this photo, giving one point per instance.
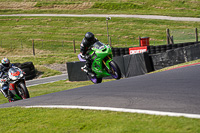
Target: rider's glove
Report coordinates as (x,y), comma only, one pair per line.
(87,57)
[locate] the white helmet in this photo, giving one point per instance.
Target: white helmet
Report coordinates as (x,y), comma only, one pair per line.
(5,62)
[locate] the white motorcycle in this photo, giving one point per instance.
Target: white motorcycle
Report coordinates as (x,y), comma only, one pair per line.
(17,87)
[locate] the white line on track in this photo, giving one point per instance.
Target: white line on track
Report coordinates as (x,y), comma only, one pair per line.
(150,112)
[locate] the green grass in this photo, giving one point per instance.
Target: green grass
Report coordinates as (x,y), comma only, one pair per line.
(56,34)
(184,8)
(74,120)
(53,36)
(46,72)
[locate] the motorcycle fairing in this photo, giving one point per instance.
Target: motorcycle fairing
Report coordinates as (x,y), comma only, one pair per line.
(12,90)
(101,59)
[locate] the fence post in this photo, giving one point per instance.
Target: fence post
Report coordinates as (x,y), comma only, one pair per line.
(74,46)
(33,47)
(172,39)
(168,36)
(110,41)
(21,44)
(139,41)
(196,34)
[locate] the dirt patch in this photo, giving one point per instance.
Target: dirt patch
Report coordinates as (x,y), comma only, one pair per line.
(78,6)
(17,5)
(59,67)
(31,5)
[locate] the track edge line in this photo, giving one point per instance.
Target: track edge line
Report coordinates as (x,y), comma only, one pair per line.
(150,112)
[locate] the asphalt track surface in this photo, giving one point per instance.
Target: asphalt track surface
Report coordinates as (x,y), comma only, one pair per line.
(176,90)
(46,80)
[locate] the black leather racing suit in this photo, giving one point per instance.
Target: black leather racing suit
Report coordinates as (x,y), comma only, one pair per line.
(84,47)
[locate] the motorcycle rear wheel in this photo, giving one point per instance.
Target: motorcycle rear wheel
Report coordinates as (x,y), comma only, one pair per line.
(94,79)
(115,71)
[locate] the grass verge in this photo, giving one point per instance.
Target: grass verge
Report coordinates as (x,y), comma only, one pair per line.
(74,120)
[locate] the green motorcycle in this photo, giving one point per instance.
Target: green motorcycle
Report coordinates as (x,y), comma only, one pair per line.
(102,63)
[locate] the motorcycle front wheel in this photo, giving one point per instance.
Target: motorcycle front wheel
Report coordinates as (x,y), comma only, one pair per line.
(115,71)
(23,91)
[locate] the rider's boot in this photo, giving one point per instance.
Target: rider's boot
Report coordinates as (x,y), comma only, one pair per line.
(10,99)
(84,68)
(87,67)
(87,70)
(91,74)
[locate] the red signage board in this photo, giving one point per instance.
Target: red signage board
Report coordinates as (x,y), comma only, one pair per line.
(136,50)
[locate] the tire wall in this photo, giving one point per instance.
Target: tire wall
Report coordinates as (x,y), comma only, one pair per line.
(176,56)
(28,68)
(152,49)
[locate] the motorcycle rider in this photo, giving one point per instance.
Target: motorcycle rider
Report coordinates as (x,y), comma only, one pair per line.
(5,65)
(86,44)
